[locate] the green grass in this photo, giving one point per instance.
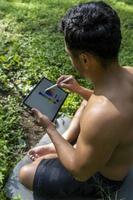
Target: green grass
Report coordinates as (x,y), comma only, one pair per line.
(32,47)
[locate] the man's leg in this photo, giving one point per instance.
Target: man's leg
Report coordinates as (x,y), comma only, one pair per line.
(27,172)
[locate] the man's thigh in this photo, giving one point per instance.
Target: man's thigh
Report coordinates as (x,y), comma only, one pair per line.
(52,179)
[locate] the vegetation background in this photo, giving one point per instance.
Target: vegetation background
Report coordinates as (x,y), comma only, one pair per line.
(31,47)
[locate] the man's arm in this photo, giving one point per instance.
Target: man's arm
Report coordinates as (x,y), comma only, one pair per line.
(73,86)
(85,93)
(95,144)
(71,134)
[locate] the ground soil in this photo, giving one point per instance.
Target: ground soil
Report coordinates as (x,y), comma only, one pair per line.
(32,131)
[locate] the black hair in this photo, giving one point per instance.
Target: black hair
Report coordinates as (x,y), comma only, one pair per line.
(93,27)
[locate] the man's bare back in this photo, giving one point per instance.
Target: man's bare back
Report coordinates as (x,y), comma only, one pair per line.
(115,106)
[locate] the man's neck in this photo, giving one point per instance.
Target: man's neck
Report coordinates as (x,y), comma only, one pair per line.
(104,79)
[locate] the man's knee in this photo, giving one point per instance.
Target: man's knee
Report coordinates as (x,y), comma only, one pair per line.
(26,176)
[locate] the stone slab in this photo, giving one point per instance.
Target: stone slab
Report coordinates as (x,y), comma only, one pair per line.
(14,188)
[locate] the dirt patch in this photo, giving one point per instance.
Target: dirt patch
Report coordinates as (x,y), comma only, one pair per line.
(33,132)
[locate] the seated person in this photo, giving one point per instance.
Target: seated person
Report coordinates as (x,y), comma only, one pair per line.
(95,154)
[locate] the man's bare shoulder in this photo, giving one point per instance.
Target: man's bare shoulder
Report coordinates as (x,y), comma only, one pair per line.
(100,122)
(100,115)
(101,106)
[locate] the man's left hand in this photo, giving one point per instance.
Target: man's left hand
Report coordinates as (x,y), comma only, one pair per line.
(41,119)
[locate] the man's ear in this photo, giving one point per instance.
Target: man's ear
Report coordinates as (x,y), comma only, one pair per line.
(85,60)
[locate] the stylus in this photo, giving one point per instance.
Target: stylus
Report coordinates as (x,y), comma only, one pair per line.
(55,85)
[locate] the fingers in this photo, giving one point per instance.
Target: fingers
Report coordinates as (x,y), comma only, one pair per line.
(64,85)
(40,119)
(61,81)
(33,155)
(36,112)
(62,78)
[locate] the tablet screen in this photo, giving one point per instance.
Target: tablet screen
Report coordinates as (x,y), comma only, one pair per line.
(48,102)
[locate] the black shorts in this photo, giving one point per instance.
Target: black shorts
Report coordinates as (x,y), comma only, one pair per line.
(53,180)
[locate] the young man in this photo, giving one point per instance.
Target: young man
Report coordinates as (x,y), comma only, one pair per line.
(102,128)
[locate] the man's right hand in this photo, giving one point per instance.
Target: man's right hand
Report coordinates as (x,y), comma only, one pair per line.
(71,84)
(39,151)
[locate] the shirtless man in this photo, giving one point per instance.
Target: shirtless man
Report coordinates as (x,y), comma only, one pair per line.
(102,128)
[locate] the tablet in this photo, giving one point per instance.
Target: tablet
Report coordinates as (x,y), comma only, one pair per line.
(48,102)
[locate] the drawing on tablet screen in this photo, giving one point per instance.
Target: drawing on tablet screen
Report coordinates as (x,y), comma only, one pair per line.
(51,95)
